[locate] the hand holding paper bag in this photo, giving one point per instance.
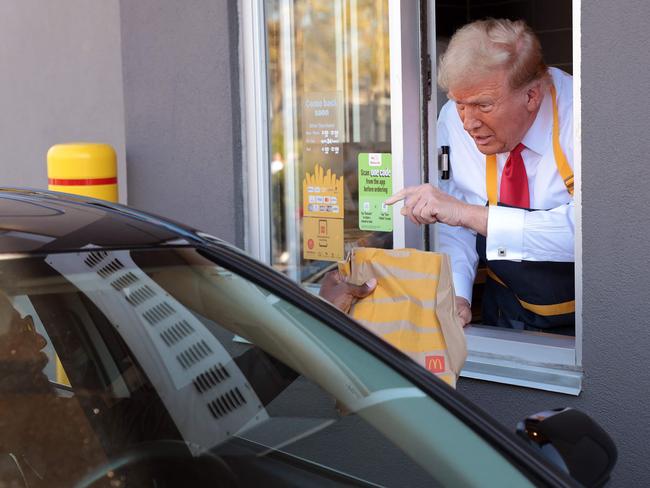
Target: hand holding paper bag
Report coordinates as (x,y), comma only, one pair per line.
(336,290)
(413,306)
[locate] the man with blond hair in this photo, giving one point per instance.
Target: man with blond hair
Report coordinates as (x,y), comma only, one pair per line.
(509,200)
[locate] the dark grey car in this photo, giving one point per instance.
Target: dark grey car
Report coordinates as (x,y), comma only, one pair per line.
(137,352)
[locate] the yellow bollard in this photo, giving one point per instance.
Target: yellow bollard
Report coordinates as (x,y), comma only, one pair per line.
(86,169)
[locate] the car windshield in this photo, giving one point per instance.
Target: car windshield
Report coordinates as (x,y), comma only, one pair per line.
(160,368)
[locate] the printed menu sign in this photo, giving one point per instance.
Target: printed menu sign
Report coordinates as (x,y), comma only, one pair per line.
(322,223)
(375,186)
(322,123)
(322,190)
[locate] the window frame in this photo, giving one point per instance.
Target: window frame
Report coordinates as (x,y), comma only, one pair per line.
(255,127)
(529,367)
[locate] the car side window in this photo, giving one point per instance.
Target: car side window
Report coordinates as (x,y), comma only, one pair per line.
(145,338)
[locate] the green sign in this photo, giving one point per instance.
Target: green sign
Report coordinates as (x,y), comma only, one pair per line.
(375,186)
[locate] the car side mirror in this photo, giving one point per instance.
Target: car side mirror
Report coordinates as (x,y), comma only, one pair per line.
(573,441)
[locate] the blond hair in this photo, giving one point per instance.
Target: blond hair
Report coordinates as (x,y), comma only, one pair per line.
(480,48)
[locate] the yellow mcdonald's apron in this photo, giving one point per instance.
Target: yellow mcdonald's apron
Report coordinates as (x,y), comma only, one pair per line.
(533,295)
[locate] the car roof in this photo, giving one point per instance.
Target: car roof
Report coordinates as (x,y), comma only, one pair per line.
(36,221)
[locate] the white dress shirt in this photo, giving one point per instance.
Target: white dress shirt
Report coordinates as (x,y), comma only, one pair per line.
(513,234)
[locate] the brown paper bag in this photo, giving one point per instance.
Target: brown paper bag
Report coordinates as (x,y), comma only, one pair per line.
(413,307)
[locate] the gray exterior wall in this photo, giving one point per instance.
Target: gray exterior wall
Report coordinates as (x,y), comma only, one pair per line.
(616,229)
(181,93)
(61,82)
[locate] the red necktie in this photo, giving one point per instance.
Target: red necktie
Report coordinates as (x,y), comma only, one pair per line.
(514,181)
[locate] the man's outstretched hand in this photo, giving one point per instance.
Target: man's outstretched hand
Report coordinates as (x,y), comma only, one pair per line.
(342,294)
(425,204)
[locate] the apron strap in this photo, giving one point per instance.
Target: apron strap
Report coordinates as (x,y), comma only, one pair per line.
(491,178)
(560,159)
(563,168)
(543,310)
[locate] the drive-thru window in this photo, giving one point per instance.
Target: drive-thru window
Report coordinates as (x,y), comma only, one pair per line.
(341,113)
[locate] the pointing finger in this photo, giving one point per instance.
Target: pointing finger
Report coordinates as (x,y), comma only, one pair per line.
(400,195)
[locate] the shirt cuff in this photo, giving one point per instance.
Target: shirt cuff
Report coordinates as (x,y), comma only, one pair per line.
(505,237)
(463,286)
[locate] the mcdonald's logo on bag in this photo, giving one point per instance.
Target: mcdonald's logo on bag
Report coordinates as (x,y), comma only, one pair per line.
(435,364)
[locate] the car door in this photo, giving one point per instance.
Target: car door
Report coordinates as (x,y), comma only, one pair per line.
(464,444)
(216,353)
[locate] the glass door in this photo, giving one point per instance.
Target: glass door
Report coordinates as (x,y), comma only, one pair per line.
(336,77)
